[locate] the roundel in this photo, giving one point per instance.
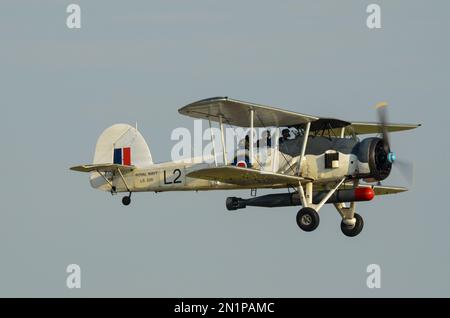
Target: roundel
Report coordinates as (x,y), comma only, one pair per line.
(241,164)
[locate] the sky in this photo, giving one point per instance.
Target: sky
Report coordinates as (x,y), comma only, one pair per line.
(141,61)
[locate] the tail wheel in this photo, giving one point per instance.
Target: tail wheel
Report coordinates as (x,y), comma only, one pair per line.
(356,229)
(308,219)
(126,200)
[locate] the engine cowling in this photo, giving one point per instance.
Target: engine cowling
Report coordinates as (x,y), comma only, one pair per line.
(373,152)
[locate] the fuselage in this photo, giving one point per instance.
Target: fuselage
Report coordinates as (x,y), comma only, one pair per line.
(326,159)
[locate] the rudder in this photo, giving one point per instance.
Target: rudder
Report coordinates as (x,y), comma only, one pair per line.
(122,144)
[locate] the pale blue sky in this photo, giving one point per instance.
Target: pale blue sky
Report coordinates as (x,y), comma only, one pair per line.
(142,60)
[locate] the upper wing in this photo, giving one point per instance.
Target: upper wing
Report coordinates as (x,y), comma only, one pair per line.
(105,167)
(236,113)
(375,128)
(244,176)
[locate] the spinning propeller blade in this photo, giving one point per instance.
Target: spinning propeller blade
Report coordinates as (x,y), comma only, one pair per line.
(405,168)
(382,118)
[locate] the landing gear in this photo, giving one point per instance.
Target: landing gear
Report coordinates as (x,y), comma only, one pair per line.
(352,223)
(126,200)
(352,230)
(308,219)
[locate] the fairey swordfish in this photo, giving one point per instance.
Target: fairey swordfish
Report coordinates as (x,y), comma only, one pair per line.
(318,160)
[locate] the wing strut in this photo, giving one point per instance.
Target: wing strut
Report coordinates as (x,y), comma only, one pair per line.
(305,142)
(222,134)
(252,112)
(275,150)
(212,141)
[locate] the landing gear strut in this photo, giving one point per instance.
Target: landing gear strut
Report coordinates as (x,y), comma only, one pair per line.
(352,223)
(126,200)
(308,218)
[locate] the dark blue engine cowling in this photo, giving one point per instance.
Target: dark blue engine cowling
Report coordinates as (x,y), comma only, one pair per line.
(370,150)
(373,151)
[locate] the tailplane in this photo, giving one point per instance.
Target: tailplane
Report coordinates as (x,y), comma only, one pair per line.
(120,146)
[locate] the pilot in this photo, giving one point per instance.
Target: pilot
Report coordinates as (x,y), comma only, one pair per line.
(285,134)
(268,139)
(247,142)
(265,141)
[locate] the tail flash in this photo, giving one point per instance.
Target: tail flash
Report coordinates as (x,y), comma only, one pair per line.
(122,156)
(122,144)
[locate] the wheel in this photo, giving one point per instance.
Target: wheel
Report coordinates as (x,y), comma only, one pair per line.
(356,229)
(308,219)
(126,200)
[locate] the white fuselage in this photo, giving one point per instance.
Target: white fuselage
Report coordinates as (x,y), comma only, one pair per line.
(172,176)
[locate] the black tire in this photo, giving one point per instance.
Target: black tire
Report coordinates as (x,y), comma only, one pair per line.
(353,231)
(308,219)
(126,200)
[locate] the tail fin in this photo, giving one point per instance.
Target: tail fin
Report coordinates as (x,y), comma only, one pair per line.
(122,144)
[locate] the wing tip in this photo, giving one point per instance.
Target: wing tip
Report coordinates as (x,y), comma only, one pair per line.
(79,168)
(202,101)
(381,105)
(387,190)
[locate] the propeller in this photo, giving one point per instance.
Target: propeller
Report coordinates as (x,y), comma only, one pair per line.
(382,118)
(405,168)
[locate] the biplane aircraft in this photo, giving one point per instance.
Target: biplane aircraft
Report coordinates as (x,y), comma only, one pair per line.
(317,160)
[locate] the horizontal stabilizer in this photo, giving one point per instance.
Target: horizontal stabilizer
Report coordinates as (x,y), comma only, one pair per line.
(105,167)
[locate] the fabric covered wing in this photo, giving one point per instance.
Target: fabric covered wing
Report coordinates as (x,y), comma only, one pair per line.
(244,176)
(379,190)
(375,128)
(237,113)
(383,190)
